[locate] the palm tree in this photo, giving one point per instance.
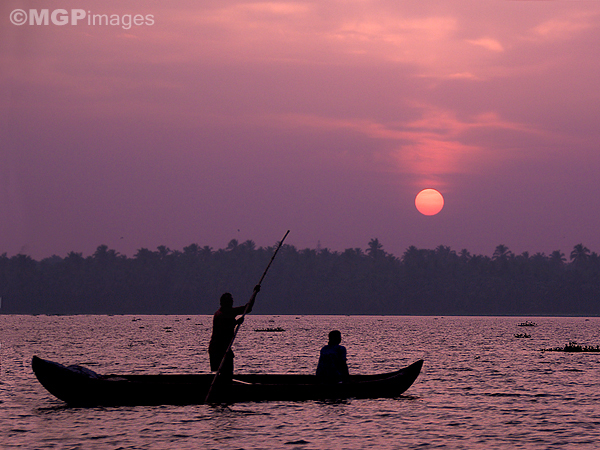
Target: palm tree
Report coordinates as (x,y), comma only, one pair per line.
(502,253)
(580,254)
(557,257)
(163,252)
(103,253)
(375,249)
(191,250)
(248,245)
(444,255)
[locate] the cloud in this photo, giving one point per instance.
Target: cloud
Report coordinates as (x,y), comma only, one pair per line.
(430,146)
(562,28)
(487,43)
(463,76)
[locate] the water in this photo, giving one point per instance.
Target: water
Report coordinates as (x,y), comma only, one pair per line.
(480,387)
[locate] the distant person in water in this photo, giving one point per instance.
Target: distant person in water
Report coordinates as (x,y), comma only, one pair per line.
(332,367)
(224,322)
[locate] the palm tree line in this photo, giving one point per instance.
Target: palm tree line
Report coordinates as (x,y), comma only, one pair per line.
(438,281)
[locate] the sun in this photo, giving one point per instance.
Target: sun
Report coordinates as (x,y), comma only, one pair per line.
(429,202)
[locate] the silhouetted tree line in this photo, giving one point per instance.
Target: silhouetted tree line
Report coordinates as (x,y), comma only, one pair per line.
(309,281)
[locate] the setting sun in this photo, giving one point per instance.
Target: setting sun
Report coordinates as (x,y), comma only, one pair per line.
(429,202)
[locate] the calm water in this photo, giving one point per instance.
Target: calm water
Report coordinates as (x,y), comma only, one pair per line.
(480,387)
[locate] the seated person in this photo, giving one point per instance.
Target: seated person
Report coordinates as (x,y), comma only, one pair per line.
(332,367)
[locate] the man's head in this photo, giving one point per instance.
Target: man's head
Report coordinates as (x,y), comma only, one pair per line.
(226,300)
(335,337)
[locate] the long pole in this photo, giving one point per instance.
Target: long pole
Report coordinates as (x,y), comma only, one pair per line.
(235,332)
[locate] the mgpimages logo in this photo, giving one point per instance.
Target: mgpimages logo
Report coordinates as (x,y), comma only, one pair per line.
(77,16)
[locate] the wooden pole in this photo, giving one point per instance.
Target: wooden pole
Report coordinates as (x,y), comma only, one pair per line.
(235,332)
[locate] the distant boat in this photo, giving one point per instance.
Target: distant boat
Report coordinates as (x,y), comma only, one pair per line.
(522,335)
(527,323)
(80,386)
(277,329)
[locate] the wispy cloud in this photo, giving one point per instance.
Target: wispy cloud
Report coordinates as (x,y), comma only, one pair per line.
(562,28)
(487,43)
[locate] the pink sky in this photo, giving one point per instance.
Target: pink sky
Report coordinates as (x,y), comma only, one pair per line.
(228,119)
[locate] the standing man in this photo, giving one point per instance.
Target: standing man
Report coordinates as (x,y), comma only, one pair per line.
(224,323)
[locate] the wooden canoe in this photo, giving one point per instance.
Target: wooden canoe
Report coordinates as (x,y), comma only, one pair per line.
(79,386)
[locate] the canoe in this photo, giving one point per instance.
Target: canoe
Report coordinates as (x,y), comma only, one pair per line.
(79,386)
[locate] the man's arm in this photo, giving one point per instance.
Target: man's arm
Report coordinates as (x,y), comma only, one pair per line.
(241,309)
(250,304)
